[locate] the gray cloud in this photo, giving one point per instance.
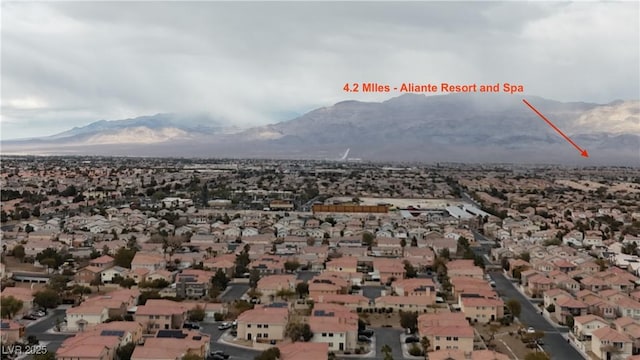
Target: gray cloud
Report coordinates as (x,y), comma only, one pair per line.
(67,64)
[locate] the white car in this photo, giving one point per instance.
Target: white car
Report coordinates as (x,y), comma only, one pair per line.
(531,330)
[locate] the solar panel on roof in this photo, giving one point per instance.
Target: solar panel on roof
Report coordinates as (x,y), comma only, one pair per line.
(278,305)
(5,325)
(112,333)
(177,334)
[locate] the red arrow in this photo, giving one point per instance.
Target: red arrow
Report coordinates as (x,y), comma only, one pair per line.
(583,152)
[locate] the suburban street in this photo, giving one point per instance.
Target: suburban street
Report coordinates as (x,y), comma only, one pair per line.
(372,292)
(306,275)
(233,351)
(40,327)
(383,336)
(234,292)
(554,343)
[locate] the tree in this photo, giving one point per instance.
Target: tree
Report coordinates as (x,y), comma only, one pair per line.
(570,321)
(46,298)
(220,280)
(125,351)
(463,244)
(493,329)
(425,343)
(49,355)
(403,244)
(269,354)
(50,253)
(444,253)
(505,263)
(537,356)
(18,252)
(525,256)
(10,306)
(96,282)
(48,262)
(254,277)
(197,314)
(253,293)
(297,331)
(192,356)
(285,294)
(367,239)
(386,349)
(409,320)
(123,257)
(409,269)
(81,290)
(302,289)
(291,266)
(146,295)
(514,306)
(127,283)
(361,325)
(242,261)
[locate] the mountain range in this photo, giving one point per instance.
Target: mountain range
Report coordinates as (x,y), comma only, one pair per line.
(411,127)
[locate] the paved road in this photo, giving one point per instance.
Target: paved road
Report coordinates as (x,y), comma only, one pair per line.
(234,292)
(306,275)
(382,336)
(235,352)
(554,343)
(372,292)
(39,328)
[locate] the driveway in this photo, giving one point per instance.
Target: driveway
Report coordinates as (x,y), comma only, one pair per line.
(234,292)
(555,344)
(39,329)
(382,336)
(306,275)
(372,292)
(235,352)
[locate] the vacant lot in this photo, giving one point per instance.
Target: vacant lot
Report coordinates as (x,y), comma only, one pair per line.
(506,339)
(13,264)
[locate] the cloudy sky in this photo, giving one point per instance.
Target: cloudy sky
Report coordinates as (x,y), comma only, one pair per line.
(68,64)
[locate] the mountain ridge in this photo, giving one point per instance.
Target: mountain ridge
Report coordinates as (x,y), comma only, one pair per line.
(486,124)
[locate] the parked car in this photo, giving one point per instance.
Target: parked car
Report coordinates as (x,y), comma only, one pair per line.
(366,332)
(531,330)
(362,338)
(411,340)
(217,357)
(220,354)
(191,326)
(225,326)
(29,317)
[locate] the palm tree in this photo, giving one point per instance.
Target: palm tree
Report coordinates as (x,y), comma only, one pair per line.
(386,349)
(426,344)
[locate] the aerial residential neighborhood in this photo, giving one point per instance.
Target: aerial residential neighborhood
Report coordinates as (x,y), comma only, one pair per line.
(154,259)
